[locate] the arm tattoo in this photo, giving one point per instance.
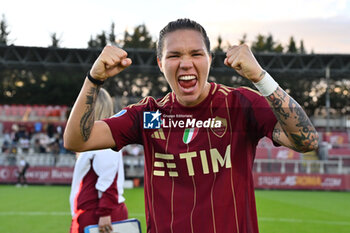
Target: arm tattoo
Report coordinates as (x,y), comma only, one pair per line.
(306,135)
(277,135)
(294,121)
(277,99)
(88,118)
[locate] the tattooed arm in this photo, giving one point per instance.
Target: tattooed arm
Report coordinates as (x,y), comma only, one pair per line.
(82,132)
(294,129)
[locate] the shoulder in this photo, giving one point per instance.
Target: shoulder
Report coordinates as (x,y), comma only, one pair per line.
(252,98)
(249,92)
(245,96)
(220,89)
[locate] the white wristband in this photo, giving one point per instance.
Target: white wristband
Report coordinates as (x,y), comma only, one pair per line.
(267,85)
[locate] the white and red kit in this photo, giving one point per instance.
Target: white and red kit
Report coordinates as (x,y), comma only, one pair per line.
(97,188)
(199,179)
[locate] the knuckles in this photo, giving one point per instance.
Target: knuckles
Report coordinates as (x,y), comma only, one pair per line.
(237,53)
(114,51)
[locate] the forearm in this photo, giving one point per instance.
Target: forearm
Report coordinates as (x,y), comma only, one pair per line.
(294,122)
(81,119)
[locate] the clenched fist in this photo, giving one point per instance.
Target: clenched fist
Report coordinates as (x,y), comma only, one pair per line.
(111,61)
(243,61)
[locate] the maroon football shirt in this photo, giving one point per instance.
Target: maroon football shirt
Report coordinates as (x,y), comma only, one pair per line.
(198,165)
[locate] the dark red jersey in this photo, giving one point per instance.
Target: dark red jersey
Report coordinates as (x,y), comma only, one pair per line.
(198,164)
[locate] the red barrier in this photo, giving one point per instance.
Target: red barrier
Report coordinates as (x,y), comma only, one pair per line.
(38,175)
(302,181)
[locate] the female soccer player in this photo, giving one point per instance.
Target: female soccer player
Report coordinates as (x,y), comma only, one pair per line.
(200,139)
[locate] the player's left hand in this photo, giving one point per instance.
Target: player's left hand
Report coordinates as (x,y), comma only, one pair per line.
(105,225)
(241,58)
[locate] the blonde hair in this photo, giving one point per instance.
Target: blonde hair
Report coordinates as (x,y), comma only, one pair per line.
(104,105)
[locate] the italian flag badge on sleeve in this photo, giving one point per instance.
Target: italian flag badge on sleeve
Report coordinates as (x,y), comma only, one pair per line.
(189,135)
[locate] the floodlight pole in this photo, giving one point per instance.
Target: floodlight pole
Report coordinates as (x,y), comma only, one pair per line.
(328,102)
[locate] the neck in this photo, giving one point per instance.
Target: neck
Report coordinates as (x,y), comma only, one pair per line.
(200,98)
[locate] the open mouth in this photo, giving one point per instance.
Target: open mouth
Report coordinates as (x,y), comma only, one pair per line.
(188,82)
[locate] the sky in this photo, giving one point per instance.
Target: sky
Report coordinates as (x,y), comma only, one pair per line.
(323,25)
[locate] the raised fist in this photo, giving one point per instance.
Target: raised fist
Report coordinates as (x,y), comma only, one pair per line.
(243,61)
(110,62)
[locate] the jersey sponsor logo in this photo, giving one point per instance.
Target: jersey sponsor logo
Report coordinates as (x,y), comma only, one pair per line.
(189,135)
(220,131)
(165,164)
(151,120)
(120,113)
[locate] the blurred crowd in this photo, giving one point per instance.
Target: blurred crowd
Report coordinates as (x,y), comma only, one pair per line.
(41,138)
(22,139)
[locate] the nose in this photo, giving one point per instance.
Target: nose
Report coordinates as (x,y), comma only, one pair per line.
(186,63)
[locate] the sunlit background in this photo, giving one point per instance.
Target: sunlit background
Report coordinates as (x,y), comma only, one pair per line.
(323,25)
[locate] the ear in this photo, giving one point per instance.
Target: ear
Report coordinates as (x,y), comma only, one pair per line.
(160,65)
(210,56)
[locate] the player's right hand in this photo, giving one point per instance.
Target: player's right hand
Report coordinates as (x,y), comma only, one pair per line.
(110,62)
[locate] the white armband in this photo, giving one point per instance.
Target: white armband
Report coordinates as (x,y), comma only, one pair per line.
(267,85)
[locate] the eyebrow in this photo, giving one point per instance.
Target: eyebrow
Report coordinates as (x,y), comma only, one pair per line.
(197,50)
(192,51)
(173,52)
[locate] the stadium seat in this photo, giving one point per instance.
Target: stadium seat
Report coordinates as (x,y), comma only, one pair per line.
(7,109)
(21,110)
(284,153)
(65,161)
(339,152)
(2,159)
(339,139)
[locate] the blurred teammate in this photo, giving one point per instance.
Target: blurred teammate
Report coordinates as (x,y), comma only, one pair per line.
(198,173)
(97,188)
(23,166)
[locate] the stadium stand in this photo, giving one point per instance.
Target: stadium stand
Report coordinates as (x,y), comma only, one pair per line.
(36,131)
(23,113)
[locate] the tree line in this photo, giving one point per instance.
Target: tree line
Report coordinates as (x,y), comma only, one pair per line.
(26,86)
(140,37)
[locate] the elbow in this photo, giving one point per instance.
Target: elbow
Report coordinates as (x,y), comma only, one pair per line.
(72,147)
(71,144)
(68,146)
(310,144)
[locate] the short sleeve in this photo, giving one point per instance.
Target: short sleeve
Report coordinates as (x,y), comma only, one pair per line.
(125,127)
(264,116)
(261,120)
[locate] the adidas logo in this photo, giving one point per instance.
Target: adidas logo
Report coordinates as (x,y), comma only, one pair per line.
(158,134)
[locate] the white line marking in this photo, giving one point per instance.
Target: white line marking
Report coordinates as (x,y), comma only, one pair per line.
(54,213)
(303,221)
(32,213)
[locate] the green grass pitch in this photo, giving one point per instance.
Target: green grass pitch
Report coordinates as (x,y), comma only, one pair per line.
(41,209)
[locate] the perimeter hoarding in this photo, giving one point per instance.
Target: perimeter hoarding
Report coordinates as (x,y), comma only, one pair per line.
(38,175)
(302,181)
